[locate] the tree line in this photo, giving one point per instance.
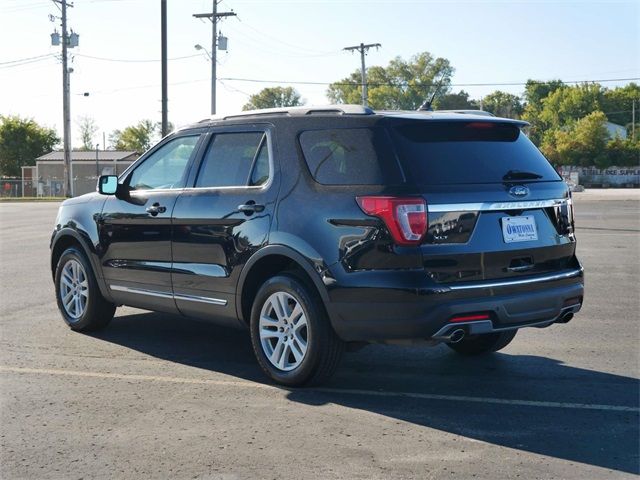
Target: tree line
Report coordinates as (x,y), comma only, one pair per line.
(569,123)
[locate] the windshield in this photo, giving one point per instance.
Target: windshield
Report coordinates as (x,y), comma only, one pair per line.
(469,152)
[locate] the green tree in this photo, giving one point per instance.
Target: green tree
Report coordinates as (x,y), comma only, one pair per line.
(138,138)
(22,140)
(402,85)
(535,93)
(88,129)
(273,97)
(503,104)
(569,104)
(454,101)
(623,152)
(582,143)
(617,104)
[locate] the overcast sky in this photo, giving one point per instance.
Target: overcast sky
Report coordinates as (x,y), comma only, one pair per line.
(297,41)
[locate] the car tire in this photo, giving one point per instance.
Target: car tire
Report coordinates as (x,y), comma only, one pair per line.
(291,334)
(485,343)
(79,299)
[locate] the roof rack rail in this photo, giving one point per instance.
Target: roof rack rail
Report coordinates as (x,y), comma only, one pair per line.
(301,111)
(468,112)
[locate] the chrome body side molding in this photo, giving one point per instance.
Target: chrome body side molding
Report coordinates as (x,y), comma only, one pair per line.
(153,293)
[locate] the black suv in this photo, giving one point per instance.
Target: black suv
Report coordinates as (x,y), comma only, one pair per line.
(325,228)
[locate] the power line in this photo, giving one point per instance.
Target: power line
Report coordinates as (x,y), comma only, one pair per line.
(27,59)
(130,60)
(306,52)
(229,79)
(425,85)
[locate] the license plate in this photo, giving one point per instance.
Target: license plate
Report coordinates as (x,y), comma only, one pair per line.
(519,229)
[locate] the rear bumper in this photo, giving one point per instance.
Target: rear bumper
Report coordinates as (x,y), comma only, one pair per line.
(425,313)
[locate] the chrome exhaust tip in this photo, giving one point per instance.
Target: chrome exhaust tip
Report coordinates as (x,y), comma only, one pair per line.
(456,336)
(565,317)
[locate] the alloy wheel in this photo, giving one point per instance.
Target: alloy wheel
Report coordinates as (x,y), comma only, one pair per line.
(74,289)
(283,331)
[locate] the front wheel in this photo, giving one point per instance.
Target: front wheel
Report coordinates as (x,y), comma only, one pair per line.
(485,343)
(81,304)
(291,335)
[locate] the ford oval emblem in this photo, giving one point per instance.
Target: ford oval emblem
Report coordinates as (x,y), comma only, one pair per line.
(519,191)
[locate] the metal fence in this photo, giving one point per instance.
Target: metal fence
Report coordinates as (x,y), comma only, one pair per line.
(49,187)
(10,187)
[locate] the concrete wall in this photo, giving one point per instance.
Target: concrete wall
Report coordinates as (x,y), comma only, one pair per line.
(609,177)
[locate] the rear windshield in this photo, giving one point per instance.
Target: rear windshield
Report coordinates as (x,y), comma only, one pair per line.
(468,152)
(351,156)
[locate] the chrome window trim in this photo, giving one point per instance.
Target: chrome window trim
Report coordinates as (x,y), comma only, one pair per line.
(266,133)
(494,206)
(153,293)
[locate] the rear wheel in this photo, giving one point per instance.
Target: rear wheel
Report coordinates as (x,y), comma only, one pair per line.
(485,343)
(291,335)
(81,304)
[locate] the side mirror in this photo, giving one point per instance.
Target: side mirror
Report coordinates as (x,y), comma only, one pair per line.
(108,184)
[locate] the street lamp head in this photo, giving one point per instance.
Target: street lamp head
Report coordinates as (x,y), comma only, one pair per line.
(198,47)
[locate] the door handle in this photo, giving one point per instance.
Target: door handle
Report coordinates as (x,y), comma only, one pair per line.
(250,207)
(155,209)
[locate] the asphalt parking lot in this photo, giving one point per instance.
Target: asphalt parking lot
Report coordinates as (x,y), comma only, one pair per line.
(157,396)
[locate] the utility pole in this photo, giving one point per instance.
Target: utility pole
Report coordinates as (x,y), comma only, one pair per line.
(214,16)
(68,41)
(97,164)
(633,120)
(163,42)
(362,48)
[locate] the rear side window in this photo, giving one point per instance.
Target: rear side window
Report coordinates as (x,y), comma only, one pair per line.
(468,152)
(235,160)
(350,156)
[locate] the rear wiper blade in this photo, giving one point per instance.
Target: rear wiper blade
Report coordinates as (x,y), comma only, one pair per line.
(520,175)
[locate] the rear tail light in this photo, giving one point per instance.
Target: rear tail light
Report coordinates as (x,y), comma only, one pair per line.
(571,212)
(405,217)
(470,318)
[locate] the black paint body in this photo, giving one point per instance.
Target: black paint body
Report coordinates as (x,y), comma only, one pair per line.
(204,247)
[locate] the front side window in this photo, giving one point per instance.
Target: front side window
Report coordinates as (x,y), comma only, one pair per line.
(166,167)
(235,160)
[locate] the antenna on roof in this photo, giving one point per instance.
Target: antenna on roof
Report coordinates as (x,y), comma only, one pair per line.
(426,106)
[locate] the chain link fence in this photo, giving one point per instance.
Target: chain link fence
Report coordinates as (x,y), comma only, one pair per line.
(49,187)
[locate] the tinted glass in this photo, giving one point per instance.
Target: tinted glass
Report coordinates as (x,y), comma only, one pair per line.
(166,167)
(468,152)
(229,159)
(260,173)
(351,156)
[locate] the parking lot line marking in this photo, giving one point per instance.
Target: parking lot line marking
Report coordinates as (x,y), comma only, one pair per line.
(340,391)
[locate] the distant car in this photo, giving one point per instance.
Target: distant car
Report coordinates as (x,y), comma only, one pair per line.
(320,228)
